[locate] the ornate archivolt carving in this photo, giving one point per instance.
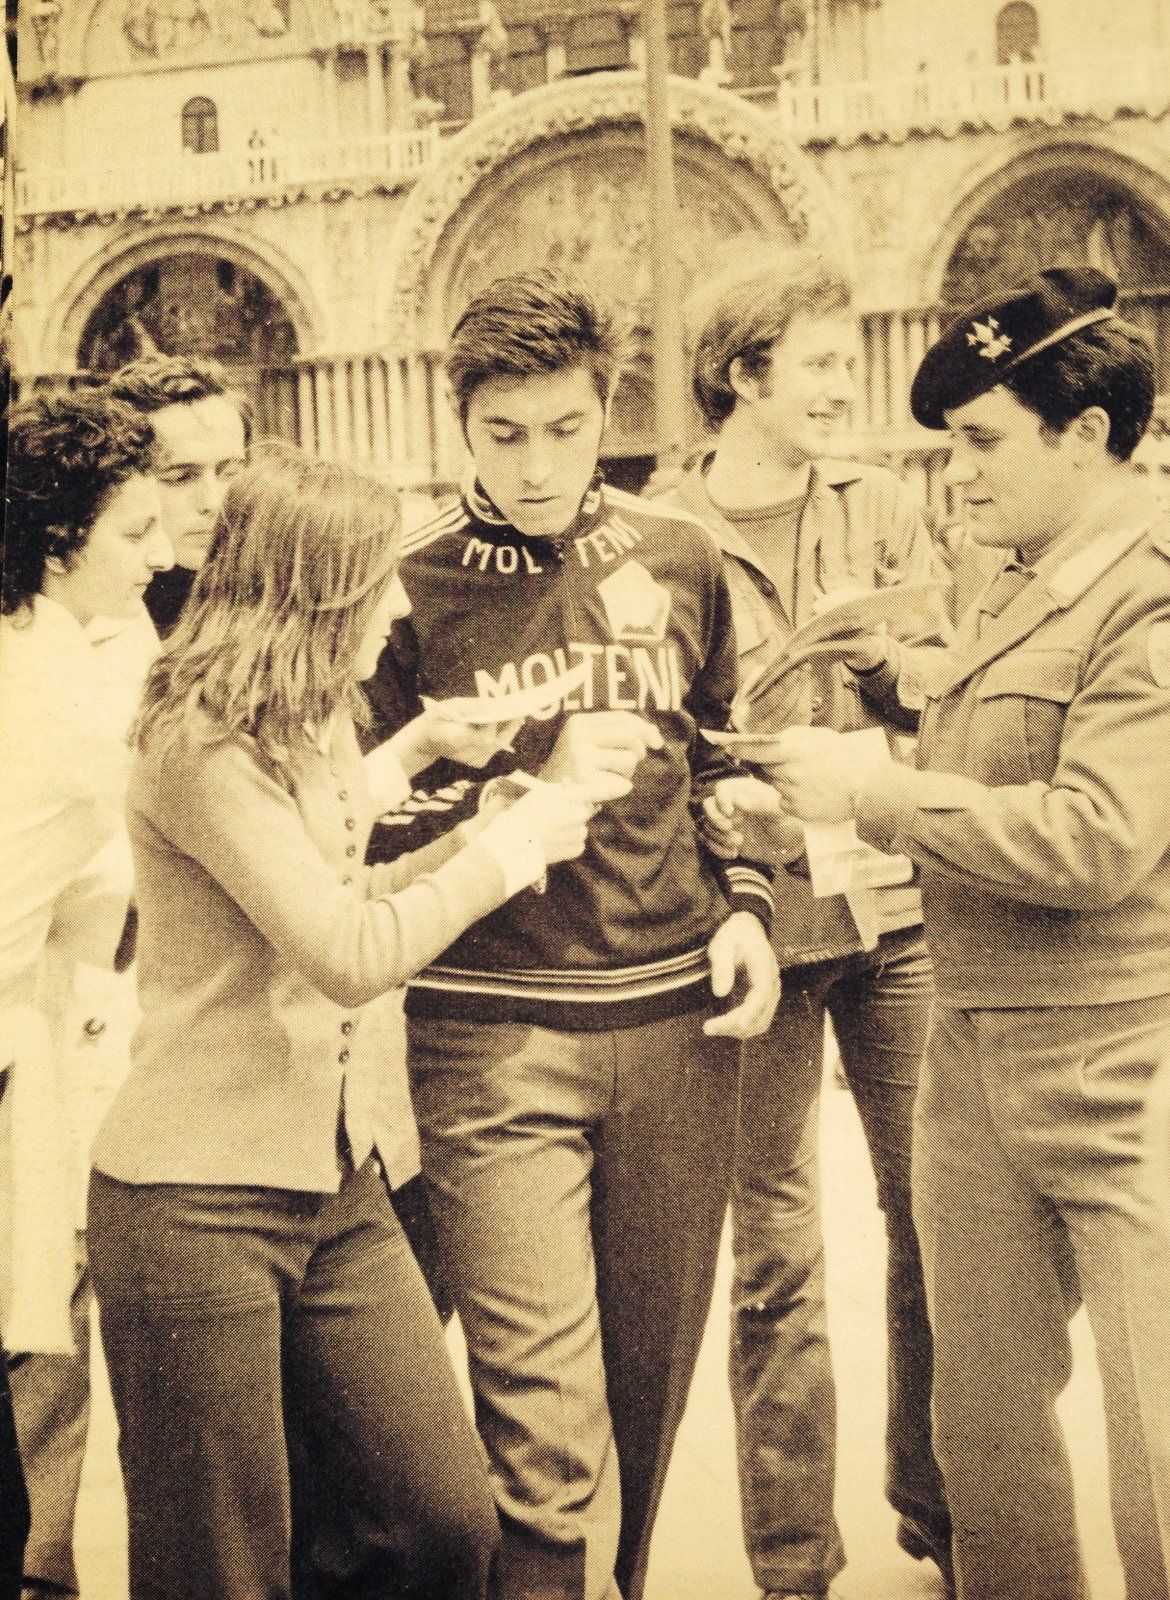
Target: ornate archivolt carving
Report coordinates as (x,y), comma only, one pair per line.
(741,133)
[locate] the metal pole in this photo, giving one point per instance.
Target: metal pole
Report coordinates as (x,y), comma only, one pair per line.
(8,195)
(666,308)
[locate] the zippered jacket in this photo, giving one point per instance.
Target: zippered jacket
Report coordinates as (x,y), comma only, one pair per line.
(861,526)
(635,595)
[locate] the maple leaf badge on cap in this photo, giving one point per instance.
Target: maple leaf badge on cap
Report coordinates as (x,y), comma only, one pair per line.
(987,336)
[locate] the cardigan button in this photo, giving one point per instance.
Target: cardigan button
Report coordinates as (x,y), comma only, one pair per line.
(343,794)
(347,880)
(343,1056)
(351,824)
(767,587)
(351,849)
(347,1026)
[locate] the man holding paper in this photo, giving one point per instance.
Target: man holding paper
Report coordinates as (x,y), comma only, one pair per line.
(574,1061)
(819,553)
(1040,821)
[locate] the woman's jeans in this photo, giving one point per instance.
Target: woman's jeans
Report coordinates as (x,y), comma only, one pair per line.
(781,1376)
(244,1327)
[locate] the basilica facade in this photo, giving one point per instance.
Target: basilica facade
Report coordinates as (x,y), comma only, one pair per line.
(310,190)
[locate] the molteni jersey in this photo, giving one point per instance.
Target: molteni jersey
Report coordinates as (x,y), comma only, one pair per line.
(634,594)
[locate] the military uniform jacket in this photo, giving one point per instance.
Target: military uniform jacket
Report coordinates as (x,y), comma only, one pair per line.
(1040,818)
(860,525)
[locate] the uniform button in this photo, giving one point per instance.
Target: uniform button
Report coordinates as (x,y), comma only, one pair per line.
(343,1057)
(767,588)
(347,1027)
(350,824)
(351,849)
(347,880)
(343,794)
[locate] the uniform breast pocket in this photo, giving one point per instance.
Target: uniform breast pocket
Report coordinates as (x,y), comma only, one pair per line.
(1024,699)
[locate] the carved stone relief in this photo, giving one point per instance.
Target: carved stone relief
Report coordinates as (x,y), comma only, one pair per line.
(169,30)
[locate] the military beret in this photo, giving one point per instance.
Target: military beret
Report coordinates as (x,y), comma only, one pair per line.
(991,337)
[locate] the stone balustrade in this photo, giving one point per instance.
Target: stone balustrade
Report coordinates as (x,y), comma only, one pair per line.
(206,181)
(994,98)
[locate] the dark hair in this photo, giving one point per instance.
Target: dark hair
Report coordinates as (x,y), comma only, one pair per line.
(68,450)
(1109,364)
(152,382)
(530,323)
(743,311)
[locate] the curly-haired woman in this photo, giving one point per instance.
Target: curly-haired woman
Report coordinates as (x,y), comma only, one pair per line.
(83,539)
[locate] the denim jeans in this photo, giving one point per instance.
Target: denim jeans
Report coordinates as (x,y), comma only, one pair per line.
(578,1183)
(781,1375)
(236,1318)
(1034,1189)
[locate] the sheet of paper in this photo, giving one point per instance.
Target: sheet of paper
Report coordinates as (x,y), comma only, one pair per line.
(477,710)
(902,610)
(838,860)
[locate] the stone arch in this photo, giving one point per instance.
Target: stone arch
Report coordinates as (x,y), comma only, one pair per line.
(1099,168)
(79,300)
(711,126)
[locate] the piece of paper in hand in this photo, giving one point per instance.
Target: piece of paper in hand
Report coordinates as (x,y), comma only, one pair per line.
(903,610)
(838,860)
(477,710)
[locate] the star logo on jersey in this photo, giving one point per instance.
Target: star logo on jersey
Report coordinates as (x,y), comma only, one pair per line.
(636,604)
(990,342)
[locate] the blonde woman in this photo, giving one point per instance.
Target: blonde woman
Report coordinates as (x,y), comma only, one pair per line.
(254,1284)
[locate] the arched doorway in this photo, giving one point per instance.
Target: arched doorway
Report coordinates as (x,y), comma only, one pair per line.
(195,304)
(1066,215)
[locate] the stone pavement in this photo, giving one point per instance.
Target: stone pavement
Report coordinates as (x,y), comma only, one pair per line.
(698,1552)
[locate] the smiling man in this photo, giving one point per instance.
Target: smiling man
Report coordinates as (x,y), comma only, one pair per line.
(201,434)
(776,341)
(573,1058)
(1040,821)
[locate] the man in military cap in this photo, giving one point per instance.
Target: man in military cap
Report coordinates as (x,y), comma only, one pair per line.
(1040,820)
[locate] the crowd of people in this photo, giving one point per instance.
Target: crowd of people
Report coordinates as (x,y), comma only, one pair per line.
(488,888)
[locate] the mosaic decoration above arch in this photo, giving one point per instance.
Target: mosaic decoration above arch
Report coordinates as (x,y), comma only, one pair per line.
(188,304)
(586,212)
(1061,217)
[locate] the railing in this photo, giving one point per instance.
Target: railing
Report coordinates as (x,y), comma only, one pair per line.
(189,179)
(1042,91)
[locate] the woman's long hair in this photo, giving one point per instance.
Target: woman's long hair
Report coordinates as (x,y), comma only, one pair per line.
(267,642)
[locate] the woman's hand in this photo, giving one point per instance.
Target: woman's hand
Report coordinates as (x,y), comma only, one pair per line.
(439,733)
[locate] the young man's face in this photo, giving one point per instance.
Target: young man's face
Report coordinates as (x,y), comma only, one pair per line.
(1015,476)
(801,403)
(535,443)
(199,448)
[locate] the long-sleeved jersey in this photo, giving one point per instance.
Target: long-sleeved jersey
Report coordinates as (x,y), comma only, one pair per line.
(635,596)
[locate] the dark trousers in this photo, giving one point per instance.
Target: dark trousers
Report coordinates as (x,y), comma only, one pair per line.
(578,1183)
(1035,1188)
(50,1399)
(781,1374)
(235,1318)
(14,1513)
